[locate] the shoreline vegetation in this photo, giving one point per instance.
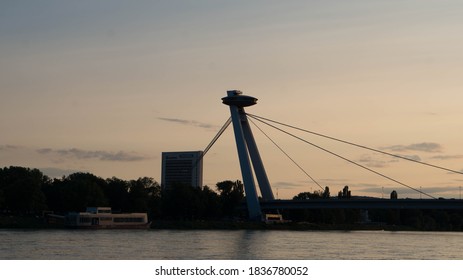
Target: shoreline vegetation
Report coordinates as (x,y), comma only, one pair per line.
(26,195)
(39,223)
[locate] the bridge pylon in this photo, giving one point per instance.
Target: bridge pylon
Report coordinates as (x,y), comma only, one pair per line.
(248,152)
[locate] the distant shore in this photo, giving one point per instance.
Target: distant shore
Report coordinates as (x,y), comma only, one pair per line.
(34,222)
(243,225)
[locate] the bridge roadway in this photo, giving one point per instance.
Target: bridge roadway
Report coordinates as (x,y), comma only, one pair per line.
(366,203)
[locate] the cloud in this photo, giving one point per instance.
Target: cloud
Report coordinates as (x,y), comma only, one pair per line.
(422,147)
(190,123)
(370,162)
(8,147)
(100,155)
(412,157)
(341,181)
(290,185)
(443,157)
(44,151)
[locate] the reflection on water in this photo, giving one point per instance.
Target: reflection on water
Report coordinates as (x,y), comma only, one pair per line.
(217,244)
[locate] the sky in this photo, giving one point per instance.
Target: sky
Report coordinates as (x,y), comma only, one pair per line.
(106,86)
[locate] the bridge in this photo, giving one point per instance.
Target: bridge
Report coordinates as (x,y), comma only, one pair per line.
(364,203)
(251,165)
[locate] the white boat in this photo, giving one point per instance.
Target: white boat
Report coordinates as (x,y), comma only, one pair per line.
(103,218)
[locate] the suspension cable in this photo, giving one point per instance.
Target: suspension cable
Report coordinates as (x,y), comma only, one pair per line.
(359,146)
(216,137)
(341,157)
(286,154)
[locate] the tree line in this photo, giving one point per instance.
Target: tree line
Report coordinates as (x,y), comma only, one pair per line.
(413,219)
(29,191)
(25,191)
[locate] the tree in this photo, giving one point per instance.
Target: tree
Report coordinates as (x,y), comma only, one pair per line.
(308,195)
(141,192)
(21,190)
(212,204)
(117,193)
(77,192)
(345,193)
(181,201)
(326,193)
(231,194)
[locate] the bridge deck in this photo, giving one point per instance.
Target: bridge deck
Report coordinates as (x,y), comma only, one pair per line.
(364,204)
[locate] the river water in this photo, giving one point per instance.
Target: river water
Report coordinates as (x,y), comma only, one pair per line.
(221,244)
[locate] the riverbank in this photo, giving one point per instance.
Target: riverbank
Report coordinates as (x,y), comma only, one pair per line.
(22,222)
(296,226)
(36,222)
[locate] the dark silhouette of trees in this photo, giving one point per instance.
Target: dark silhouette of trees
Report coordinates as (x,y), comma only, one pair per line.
(308,195)
(76,192)
(212,204)
(144,195)
(138,194)
(183,202)
(326,193)
(25,191)
(231,194)
(345,193)
(180,201)
(117,193)
(28,191)
(314,195)
(21,190)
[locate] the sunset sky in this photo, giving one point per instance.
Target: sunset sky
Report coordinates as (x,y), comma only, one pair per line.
(106,86)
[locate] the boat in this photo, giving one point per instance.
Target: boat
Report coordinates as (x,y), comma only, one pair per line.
(103,218)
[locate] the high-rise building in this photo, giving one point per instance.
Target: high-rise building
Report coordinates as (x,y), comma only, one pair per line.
(183,168)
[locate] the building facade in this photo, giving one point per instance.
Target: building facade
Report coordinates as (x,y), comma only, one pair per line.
(182,168)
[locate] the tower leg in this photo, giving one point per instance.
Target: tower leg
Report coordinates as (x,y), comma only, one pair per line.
(252,200)
(259,168)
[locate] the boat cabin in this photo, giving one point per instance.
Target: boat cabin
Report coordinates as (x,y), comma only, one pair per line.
(102,217)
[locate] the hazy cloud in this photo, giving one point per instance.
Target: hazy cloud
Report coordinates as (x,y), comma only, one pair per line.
(386,190)
(377,162)
(100,155)
(371,162)
(412,157)
(422,147)
(289,185)
(190,123)
(44,151)
(8,147)
(445,157)
(342,181)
